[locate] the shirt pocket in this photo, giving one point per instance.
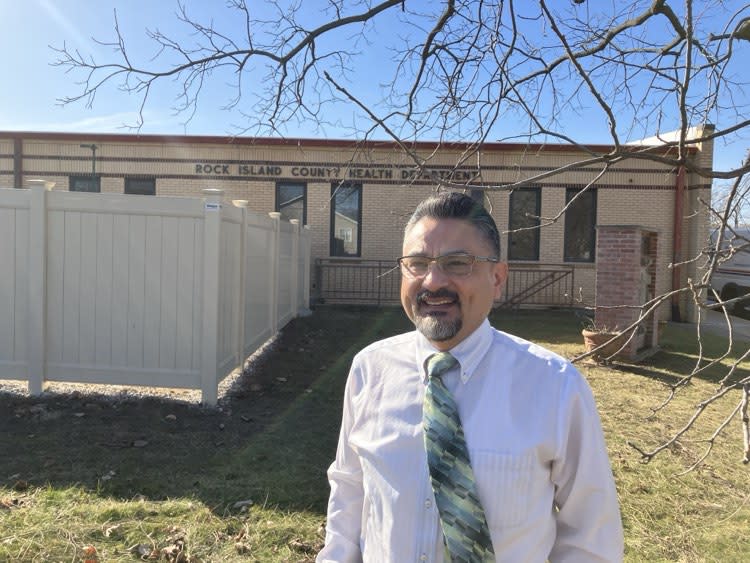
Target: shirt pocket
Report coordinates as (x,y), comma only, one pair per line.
(505,484)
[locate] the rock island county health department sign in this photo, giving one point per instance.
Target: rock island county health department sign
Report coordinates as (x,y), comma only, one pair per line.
(305,172)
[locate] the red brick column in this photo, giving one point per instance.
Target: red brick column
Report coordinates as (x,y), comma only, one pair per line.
(625,278)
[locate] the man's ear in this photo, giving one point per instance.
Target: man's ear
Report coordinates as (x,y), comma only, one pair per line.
(500,274)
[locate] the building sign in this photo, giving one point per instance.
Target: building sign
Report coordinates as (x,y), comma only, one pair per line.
(333,172)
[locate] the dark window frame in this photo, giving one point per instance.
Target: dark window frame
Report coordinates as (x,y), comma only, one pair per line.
(332,223)
(569,194)
(536,233)
(74,178)
(129,179)
(277,202)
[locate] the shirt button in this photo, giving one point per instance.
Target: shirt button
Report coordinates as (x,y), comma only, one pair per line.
(428,503)
(423,557)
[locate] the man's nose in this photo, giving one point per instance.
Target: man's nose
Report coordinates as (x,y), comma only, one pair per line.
(435,277)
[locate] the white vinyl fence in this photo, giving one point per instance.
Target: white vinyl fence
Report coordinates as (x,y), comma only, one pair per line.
(135,290)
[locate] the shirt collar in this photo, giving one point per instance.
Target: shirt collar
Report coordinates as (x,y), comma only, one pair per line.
(469,352)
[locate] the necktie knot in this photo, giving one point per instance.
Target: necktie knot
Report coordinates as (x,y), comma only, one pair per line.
(439,363)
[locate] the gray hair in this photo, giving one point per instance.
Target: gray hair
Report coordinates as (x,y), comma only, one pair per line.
(455,205)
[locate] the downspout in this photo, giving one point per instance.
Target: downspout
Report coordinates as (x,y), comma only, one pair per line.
(677,241)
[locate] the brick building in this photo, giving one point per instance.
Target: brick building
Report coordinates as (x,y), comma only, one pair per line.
(356,197)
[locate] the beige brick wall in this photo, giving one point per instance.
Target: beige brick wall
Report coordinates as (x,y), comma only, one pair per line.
(631,193)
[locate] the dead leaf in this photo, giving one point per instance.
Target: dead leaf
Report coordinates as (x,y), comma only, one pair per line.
(8,503)
(299,545)
(90,555)
(21,485)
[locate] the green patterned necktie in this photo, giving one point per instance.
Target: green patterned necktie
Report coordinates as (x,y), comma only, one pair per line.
(465,531)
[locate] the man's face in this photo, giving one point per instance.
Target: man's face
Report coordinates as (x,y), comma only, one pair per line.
(444,308)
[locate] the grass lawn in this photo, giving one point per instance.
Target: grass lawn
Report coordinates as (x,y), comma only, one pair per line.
(114,478)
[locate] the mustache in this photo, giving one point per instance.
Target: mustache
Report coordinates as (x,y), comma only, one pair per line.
(426,294)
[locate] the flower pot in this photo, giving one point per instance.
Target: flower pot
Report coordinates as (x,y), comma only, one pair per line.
(592,339)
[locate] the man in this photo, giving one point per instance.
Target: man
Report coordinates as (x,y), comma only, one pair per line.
(493,452)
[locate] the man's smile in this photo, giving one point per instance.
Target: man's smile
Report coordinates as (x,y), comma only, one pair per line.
(429,302)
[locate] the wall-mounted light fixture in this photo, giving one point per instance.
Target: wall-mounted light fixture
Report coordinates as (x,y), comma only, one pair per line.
(93,148)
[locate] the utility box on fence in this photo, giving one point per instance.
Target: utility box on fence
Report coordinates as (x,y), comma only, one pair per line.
(626,285)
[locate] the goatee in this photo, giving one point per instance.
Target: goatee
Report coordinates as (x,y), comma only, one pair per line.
(434,326)
(437,329)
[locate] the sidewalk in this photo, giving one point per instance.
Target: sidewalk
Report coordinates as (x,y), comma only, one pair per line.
(715,322)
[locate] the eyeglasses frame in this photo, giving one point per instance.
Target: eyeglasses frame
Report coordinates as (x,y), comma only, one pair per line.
(436,260)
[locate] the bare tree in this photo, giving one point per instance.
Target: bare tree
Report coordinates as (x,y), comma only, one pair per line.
(465,69)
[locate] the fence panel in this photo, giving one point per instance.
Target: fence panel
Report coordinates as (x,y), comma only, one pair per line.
(121,291)
(285,282)
(259,247)
(133,290)
(303,269)
(14,245)
(230,264)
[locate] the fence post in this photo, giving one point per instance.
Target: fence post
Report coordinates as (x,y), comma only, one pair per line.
(274,270)
(37,296)
(242,204)
(210,309)
(295,266)
(306,273)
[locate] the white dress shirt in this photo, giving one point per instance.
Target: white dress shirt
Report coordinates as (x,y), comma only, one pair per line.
(534,439)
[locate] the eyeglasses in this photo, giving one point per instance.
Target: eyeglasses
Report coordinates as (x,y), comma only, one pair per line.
(455,265)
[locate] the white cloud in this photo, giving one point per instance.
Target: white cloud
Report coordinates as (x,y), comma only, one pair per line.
(111,123)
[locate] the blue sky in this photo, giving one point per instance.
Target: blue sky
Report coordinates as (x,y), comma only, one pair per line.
(28,99)
(31,86)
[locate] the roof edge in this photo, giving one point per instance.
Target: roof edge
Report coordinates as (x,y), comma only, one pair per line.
(304,142)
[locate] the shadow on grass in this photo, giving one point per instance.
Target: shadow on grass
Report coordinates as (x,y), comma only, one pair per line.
(678,357)
(271,441)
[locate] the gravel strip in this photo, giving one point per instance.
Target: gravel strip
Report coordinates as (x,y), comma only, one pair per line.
(123,392)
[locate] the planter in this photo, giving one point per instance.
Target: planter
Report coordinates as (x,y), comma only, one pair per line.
(592,339)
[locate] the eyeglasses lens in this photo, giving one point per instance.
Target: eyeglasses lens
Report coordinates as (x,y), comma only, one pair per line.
(451,265)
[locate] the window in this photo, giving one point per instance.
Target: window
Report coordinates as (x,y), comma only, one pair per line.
(580,226)
(346,219)
(291,201)
(140,186)
(87,183)
(525,207)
